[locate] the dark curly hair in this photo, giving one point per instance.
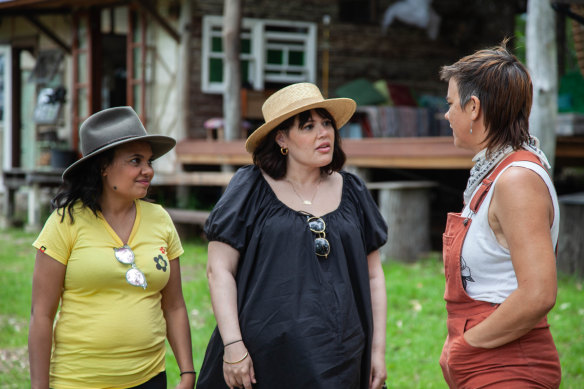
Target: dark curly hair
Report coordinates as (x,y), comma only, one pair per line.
(268,157)
(84,184)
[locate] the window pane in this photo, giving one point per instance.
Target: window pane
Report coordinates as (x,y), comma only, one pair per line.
(215,70)
(246,46)
(82,68)
(216,44)
(82,33)
(82,100)
(296,58)
(245,72)
(137,98)
(137,27)
(137,54)
(275,57)
(285,47)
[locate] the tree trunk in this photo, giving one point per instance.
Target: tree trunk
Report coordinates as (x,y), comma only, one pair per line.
(541,52)
(231,68)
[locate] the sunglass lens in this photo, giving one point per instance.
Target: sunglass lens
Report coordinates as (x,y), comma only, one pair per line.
(322,247)
(136,277)
(316,224)
(124,255)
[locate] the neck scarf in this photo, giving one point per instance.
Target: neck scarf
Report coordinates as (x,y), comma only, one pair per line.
(484,165)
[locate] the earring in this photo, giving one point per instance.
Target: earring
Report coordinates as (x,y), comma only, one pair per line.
(471,127)
(284,150)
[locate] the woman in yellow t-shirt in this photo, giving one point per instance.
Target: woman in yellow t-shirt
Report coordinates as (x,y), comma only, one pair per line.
(108,262)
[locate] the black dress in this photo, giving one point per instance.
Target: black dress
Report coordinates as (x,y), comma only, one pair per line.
(306,320)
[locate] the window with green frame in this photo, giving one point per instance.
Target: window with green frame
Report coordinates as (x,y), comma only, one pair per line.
(271,51)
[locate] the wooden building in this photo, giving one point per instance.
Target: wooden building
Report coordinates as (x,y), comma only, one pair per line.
(62,60)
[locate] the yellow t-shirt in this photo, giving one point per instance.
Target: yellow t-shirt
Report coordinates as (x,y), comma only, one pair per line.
(108,333)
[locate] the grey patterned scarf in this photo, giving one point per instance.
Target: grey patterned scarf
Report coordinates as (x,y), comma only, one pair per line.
(484,165)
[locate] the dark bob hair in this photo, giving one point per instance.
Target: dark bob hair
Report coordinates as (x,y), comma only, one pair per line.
(268,157)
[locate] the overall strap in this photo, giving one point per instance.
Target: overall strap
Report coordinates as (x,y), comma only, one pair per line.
(521,155)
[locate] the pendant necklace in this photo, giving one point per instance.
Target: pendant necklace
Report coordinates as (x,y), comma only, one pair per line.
(305,202)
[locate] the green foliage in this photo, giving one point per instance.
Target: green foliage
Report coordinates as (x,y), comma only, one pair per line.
(416,322)
(520,41)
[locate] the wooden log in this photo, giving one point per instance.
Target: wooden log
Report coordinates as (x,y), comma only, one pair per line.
(188,216)
(405,205)
(570,243)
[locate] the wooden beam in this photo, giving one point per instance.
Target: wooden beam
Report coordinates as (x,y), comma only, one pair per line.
(383,153)
(45,30)
(151,10)
(412,153)
(193,179)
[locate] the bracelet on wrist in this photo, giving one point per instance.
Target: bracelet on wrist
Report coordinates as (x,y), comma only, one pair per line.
(233,363)
(230,343)
(188,372)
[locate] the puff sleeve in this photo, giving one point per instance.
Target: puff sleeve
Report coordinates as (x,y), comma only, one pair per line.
(374,228)
(233,217)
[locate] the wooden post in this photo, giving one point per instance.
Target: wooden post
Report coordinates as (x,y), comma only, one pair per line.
(541,55)
(231,68)
(570,243)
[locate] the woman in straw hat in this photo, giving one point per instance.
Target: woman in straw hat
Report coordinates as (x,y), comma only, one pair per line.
(499,251)
(294,271)
(111,260)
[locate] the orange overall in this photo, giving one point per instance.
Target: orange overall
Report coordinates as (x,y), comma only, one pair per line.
(528,362)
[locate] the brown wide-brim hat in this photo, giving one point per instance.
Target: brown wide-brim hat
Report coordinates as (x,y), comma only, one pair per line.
(292,100)
(113,127)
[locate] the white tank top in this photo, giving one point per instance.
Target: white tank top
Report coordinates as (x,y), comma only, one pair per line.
(486,267)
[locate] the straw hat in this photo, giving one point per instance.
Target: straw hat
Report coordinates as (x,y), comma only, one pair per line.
(292,100)
(112,127)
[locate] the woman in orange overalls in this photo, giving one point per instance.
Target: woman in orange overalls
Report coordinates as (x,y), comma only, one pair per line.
(499,251)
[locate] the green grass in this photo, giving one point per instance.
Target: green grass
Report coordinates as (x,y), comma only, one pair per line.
(415,325)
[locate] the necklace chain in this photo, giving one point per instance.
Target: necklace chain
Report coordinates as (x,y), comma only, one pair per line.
(305,202)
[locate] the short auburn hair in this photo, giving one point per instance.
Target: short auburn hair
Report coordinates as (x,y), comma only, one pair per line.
(503,86)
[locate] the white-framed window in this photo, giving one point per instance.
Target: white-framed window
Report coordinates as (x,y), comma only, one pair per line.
(275,51)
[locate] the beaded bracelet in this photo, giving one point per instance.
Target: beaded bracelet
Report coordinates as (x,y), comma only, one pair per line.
(233,363)
(188,372)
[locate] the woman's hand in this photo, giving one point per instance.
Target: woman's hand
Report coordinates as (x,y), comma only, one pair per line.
(238,366)
(187,381)
(378,371)
(221,271)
